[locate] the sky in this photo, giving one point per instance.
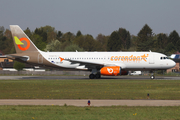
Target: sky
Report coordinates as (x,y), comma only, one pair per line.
(92,16)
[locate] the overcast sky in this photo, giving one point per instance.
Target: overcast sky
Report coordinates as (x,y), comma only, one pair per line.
(92,16)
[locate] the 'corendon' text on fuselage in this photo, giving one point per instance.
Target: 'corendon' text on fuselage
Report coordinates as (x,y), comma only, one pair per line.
(130,58)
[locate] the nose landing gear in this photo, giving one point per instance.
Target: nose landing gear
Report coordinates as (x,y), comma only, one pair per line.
(152,75)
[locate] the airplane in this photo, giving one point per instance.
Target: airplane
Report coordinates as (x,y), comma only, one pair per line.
(99,63)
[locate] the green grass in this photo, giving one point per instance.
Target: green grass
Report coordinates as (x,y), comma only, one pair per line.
(90,89)
(88,113)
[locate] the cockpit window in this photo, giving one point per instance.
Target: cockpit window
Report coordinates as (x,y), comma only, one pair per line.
(163,58)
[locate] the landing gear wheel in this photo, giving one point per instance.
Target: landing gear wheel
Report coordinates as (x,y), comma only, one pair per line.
(91,76)
(98,76)
(152,74)
(152,77)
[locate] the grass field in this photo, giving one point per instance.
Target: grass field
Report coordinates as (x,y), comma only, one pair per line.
(90,89)
(88,113)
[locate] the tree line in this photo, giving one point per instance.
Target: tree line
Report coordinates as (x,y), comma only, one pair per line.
(47,38)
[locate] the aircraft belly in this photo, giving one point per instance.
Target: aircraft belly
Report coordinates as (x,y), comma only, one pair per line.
(142,66)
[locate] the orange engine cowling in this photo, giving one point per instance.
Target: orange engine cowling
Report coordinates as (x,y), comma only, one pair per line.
(113,71)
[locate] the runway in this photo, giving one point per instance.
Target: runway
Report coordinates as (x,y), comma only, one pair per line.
(82,103)
(85,77)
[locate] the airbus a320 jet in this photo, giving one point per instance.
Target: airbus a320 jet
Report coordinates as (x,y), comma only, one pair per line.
(99,63)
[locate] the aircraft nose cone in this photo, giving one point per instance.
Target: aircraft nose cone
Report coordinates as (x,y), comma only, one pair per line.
(173,63)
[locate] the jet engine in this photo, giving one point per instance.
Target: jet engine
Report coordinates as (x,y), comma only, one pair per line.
(113,71)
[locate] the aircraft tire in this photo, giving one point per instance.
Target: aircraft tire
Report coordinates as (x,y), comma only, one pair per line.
(98,76)
(152,77)
(91,76)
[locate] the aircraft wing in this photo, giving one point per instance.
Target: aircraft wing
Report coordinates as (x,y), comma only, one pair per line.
(91,64)
(87,64)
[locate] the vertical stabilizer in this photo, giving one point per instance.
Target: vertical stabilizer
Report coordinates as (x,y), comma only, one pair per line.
(22,42)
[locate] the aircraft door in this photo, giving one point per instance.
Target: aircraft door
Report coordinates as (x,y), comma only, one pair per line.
(151,58)
(40,58)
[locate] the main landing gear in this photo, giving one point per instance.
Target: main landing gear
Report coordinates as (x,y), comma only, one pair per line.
(93,76)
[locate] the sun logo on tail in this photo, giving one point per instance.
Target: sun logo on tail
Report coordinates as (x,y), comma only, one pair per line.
(19,43)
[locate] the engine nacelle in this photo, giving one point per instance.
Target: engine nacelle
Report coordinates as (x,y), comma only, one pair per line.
(113,71)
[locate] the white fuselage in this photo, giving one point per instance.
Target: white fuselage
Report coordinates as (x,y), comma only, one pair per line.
(126,60)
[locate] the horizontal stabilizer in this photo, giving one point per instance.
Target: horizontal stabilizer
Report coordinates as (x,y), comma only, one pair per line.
(14,57)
